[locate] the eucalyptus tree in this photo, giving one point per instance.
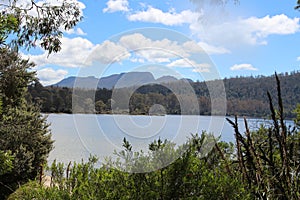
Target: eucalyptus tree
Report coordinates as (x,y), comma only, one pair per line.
(29,23)
(25,140)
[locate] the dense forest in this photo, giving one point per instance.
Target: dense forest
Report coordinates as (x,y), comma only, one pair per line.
(246,96)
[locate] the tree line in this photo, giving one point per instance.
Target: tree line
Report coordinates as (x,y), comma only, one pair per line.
(245,97)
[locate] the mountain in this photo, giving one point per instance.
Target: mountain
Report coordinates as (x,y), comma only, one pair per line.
(81,82)
(134,79)
(109,82)
(166,79)
(116,80)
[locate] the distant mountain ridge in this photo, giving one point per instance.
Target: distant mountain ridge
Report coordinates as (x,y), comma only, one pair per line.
(114,81)
(246,96)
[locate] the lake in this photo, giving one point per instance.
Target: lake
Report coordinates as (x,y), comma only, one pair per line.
(79,135)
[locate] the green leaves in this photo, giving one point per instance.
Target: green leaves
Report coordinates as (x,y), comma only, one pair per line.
(6,162)
(37,24)
(23,130)
(188,177)
(14,78)
(297,112)
(0,105)
(8,24)
(269,158)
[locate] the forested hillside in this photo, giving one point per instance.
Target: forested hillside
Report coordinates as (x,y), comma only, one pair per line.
(246,96)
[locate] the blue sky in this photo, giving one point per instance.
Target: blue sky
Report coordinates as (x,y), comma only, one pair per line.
(183,38)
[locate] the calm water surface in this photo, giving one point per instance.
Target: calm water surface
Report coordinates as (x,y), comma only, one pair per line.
(79,135)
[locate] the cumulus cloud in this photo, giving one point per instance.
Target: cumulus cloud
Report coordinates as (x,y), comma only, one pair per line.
(243,67)
(50,76)
(80,52)
(153,50)
(217,32)
(164,50)
(109,52)
(116,5)
(187,63)
(278,24)
(250,31)
(137,41)
(169,18)
(192,47)
(73,53)
(155,55)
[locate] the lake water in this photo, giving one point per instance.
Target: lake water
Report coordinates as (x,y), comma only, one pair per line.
(79,135)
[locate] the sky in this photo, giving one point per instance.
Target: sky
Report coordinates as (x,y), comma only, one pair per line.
(195,39)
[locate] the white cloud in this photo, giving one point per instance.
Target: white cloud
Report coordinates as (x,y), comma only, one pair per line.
(153,50)
(210,49)
(278,24)
(116,5)
(109,52)
(50,76)
(187,63)
(250,31)
(80,52)
(243,67)
(216,31)
(164,50)
(155,55)
(73,53)
(184,63)
(192,47)
(76,31)
(170,18)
